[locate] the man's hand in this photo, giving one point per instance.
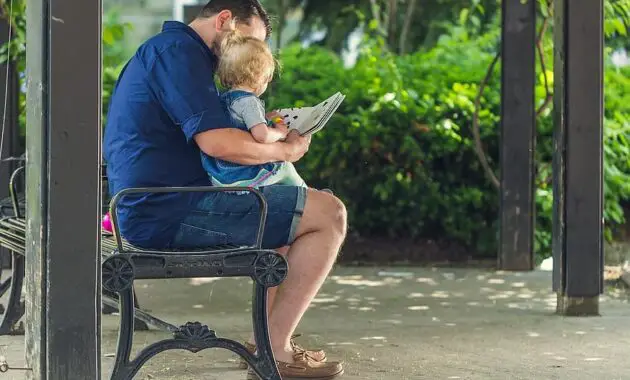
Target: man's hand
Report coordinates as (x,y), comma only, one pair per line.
(297,146)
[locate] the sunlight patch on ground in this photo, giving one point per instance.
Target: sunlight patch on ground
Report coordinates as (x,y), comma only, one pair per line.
(361,281)
(419,307)
(427,280)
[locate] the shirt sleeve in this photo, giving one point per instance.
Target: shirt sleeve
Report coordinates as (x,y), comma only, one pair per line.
(183,81)
(251,110)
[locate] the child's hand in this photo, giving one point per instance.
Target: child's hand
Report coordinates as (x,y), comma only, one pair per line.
(263,133)
(282,129)
(272,115)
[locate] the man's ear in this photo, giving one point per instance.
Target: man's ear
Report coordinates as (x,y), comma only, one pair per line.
(224,21)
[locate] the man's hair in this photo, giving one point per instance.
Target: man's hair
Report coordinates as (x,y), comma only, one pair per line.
(242,10)
(245,61)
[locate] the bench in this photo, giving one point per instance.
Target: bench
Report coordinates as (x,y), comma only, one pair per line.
(12,230)
(124,263)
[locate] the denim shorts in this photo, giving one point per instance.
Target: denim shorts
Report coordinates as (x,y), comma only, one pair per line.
(233,218)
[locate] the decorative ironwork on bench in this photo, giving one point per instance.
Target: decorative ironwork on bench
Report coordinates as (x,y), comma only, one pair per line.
(10,233)
(117,274)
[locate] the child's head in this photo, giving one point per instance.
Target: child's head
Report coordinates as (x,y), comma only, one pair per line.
(245,62)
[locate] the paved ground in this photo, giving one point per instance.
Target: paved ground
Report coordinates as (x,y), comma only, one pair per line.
(401,324)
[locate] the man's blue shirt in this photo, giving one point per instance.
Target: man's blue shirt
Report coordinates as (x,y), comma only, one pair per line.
(163,98)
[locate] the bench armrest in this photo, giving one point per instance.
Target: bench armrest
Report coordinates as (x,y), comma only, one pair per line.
(192,189)
(13,191)
(21,158)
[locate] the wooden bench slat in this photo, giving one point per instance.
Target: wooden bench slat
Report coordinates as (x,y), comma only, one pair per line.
(13,231)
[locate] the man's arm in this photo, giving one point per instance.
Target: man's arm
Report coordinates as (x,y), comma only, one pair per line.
(235,145)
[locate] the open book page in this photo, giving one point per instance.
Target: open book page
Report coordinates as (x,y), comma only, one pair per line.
(308,120)
(297,118)
(324,112)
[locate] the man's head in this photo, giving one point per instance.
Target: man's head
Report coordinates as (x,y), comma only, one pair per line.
(219,17)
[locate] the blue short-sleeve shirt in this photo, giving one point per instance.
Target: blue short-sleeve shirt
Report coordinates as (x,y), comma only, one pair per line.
(164,97)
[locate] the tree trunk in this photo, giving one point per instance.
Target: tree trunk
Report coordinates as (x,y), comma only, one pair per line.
(404,35)
(282,21)
(392,17)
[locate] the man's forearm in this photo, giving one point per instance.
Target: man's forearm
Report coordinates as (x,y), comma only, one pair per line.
(235,145)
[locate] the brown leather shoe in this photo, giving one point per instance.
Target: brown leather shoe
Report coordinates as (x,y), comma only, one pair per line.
(316,355)
(304,368)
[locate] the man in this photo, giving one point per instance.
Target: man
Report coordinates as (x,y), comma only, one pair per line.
(164,109)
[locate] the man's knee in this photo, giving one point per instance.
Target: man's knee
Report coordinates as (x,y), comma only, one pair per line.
(324,212)
(334,215)
(339,216)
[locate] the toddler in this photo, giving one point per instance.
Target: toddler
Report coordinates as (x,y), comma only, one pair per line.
(246,67)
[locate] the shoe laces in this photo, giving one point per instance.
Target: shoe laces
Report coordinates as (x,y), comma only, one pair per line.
(296,347)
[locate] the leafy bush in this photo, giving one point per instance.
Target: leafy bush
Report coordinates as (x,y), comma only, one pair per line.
(113,32)
(400,150)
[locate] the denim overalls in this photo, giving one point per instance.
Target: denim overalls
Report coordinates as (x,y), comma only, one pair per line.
(223,173)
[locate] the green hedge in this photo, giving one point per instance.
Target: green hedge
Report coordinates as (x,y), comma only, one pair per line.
(400,150)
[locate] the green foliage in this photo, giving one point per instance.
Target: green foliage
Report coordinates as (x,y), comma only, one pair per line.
(113,32)
(114,53)
(617,21)
(425,20)
(400,149)
(15,12)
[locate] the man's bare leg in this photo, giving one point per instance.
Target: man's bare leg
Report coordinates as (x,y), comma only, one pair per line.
(311,257)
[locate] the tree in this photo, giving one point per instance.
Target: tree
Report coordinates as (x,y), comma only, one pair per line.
(406,25)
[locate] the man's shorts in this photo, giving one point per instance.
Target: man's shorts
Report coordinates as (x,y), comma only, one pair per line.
(233,218)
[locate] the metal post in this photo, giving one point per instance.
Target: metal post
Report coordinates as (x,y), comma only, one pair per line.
(578,156)
(63,189)
(518,135)
(9,91)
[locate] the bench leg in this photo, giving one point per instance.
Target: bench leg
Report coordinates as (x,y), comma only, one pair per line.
(108,310)
(265,365)
(15,307)
(139,325)
(6,284)
(194,337)
(125,336)
(2,284)
(118,276)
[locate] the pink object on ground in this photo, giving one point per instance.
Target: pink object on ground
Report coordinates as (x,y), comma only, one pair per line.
(107,223)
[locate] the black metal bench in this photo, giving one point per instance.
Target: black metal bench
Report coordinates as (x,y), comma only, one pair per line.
(124,263)
(12,231)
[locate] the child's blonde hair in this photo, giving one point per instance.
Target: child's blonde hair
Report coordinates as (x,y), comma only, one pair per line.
(245,61)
